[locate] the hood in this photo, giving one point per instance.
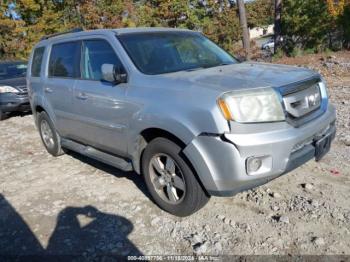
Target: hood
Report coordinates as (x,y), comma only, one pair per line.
(242,76)
(19,83)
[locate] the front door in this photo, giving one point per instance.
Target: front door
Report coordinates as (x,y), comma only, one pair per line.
(100,107)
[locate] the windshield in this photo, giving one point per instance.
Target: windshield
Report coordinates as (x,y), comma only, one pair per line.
(165,52)
(12,70)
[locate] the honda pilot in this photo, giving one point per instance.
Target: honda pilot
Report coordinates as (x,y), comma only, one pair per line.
(174,107)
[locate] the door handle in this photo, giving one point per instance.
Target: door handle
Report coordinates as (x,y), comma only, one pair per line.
(82,96)
(48,90)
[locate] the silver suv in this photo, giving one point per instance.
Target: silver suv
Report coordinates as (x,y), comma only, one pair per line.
(171,105)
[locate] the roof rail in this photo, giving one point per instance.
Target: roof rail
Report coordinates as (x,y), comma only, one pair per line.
(75,30)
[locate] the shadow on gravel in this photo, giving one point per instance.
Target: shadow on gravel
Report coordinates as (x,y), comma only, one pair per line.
(15,114)
(134,177)
(81,233)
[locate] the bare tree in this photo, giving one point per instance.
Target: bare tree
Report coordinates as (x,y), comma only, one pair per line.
(243,22)
(278,29)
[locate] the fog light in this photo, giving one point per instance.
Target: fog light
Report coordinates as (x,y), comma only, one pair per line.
(258,165)
(253,164)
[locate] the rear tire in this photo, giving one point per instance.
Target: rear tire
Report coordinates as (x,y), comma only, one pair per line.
(170,180)
(49,135)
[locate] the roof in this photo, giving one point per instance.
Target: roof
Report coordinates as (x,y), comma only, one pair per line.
(148,30)
(119,31)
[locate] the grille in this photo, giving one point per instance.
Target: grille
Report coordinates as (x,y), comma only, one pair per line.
(303,102)
(23,90)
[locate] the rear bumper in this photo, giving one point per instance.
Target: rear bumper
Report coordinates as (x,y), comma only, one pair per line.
(220,161)
(14,103)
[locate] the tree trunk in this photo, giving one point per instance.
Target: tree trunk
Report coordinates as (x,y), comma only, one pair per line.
(243,22)
(278,28)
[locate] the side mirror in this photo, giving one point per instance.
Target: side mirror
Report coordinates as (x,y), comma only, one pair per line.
(114,74)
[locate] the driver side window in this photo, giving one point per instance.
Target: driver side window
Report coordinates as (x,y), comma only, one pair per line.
(95,54)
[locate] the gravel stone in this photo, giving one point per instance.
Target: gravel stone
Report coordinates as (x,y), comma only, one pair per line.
(307,186)
(284,219)
(318,241)
(200,248)
(218,246)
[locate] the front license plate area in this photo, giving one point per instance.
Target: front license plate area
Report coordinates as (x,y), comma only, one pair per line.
(322,147)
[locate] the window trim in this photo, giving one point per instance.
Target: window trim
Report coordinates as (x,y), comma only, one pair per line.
(81,58)
(78,64)
(41,63)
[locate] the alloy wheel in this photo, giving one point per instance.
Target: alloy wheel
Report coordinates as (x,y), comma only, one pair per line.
(167,178)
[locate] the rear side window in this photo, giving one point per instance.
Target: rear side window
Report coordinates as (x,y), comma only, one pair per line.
(37,61)
(95,54)
(65,60)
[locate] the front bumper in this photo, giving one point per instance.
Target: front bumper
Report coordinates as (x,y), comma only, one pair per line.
(10,102)
(220,161)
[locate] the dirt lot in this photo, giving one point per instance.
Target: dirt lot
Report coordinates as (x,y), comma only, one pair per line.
(73,205)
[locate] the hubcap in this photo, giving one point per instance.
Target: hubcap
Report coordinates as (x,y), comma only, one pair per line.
(167,178)
(47,135)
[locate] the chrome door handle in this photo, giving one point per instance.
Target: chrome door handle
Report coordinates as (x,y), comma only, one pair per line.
(48,90)
(82,96)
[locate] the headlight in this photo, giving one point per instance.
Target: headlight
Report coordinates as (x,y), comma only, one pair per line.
(252,105)
(8,89)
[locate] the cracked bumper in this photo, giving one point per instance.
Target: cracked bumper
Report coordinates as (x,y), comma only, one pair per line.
(220,162)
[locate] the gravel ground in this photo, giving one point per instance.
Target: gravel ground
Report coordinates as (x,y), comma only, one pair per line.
(73,205)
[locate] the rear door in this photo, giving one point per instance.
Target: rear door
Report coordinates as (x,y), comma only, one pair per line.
(100,107)
(63,69)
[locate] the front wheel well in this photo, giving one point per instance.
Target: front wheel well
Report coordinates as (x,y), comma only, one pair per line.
(152,133)
(146,136)
(39,109)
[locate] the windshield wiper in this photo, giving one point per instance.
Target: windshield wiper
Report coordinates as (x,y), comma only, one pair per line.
(216,65)
(194,69)
(205,67)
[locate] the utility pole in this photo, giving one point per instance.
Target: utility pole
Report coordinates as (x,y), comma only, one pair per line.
(244,26)
(278,28)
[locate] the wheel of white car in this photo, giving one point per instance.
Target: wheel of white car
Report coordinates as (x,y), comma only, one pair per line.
(170,180)
(49,135)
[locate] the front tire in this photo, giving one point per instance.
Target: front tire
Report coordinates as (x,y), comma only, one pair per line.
(49,135)
(170,180)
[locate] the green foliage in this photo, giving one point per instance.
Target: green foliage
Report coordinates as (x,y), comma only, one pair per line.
(344,23)
(313,26)
(216,19)
(296,52)
(260,13)
(11,33)
(278,55)
(305,24)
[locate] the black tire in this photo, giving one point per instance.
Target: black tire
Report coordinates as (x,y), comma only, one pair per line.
(2,115)
(194,197)
(55,149)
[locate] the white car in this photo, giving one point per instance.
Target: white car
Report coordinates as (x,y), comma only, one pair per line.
(269,45)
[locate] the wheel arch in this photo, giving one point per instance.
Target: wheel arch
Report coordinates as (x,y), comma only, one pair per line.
(39,105)
(145,137)
(149,134)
